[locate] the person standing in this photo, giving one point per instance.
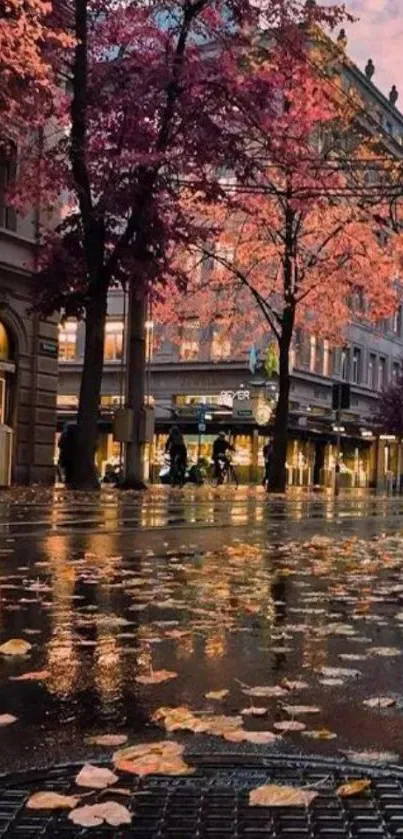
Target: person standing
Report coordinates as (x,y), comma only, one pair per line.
(267,452)
(175,447)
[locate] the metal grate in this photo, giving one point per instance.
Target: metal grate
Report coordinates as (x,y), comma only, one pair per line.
(213,803)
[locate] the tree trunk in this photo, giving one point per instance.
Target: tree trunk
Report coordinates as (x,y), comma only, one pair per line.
(277,471)
(84,471)
(135,385)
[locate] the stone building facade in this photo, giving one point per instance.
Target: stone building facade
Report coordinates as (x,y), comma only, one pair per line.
(28,349)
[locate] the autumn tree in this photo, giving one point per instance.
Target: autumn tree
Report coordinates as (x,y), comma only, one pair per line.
(299,244)
(159,96)
(30,39)
(389,412)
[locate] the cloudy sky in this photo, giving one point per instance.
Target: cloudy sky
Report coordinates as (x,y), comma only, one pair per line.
(378,34)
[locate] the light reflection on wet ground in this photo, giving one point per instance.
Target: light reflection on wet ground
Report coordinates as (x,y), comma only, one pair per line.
(225,592)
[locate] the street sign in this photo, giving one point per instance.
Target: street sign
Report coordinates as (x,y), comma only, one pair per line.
(49,348)
(241,411)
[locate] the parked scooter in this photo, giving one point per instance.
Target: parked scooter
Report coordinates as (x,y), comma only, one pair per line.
(113,474)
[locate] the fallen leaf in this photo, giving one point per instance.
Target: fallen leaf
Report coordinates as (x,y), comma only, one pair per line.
(7,719)
(259,737)
(384,652)
(35,676)
(379,702)
(253,711)
(320,734)
(217,694)
(353,788)
(51,801)
(162,758)
(296,684)
(296,710)
(156,677)
(373,756)
(268,692)
(353,656)
(107,740)
(336,672)
(179,719)
(16,646)
(95,777)
(93,815)
(289,725)
(165,747)
(273,795)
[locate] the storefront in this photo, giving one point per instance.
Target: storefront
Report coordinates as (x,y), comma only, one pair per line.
(312,448)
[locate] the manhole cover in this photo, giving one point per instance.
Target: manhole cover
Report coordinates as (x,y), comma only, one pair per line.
(213,803)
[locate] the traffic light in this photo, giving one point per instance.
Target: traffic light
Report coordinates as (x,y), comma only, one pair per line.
(341,396)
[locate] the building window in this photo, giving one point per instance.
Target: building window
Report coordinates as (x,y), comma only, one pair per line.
(8,217)
(356,366)
(312,353)
(345,365)
(113,341)
(327,359)
(67,340)
(381,373)
(397,321)
(302,349)
(190,341)
(372,371)
(395,371)
(67,402)
(220,344)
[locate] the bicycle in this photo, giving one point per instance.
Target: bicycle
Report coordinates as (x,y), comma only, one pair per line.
(226,472)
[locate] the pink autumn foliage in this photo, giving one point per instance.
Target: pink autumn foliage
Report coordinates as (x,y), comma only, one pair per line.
(172,99)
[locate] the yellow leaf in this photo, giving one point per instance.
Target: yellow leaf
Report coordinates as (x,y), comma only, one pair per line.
(240,735)
(51,801)
(217,694)
(320,734)
(156,677)
(273,795)
(353,788)
(107,740)
(163,758)
(16,646)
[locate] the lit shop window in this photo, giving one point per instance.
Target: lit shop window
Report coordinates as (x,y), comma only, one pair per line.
(67,340)
(113,341)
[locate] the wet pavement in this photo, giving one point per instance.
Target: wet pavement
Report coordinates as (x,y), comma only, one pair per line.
(224,590)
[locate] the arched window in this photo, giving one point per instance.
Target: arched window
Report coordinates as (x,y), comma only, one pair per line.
(5,349)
